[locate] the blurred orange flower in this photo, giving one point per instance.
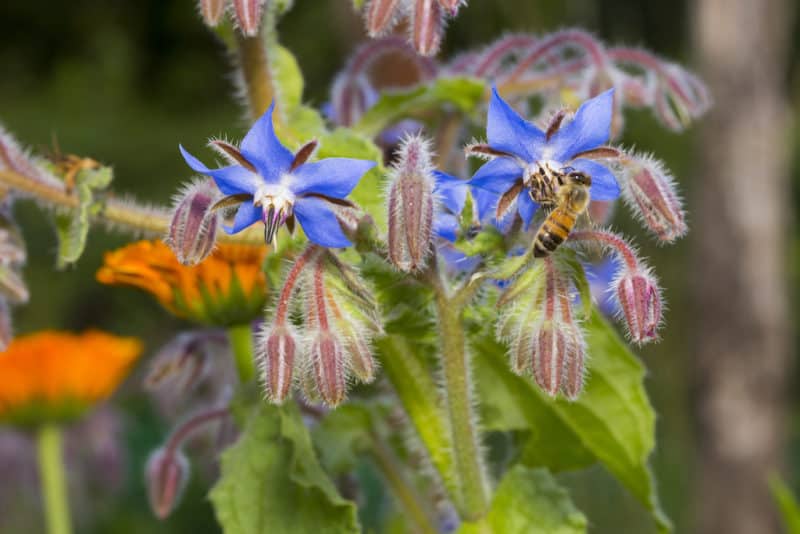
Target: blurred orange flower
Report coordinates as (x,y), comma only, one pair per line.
(55,376)
(227,288)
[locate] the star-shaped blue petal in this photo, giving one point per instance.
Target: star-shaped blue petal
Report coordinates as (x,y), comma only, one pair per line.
(284,185)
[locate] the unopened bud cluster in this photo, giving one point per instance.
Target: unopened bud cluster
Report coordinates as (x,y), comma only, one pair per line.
(426,20)
(575,63)
(194,224)
(411,205)
(340,318)
(245,13)
(538,322)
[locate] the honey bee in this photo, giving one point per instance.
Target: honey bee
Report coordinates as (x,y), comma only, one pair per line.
(570,201)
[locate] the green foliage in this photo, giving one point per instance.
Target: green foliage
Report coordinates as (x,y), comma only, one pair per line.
(787,504)
(612,422)
(342,437)
(73,227)
(301,122)
(529,501)
(271,481)
(461,94)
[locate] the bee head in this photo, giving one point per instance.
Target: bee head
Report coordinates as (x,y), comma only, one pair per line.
(578,177)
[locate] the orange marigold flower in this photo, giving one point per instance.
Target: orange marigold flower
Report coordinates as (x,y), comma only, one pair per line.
(227,288)
(55,376)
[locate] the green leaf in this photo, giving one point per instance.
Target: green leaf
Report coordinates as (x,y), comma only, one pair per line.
(463,94)
(787,504)
(612,422)
(272,483)
(529,501)
(408,372)
(73,227)
(299,123)
(342,437)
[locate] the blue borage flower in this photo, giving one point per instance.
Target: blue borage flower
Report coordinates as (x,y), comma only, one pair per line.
(275,186)
(518,150)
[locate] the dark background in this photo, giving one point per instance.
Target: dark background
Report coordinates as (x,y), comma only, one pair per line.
(124,82)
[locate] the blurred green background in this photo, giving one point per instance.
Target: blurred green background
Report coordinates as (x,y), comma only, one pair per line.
(125,82)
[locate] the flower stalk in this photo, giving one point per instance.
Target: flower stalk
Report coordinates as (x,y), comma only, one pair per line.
(241,340)
(53,479)
(392,470)
(472,485)
(253,61)
(118,213)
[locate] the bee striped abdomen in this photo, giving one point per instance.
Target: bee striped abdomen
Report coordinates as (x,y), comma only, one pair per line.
(554,230)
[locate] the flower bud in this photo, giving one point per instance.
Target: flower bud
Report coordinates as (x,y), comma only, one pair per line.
(166,475)
(248,15)
(193,229)
(381,16)
(548,354)
(411,205)
(330,375)
(212,11)
(574,364)
(640,301)
(351,96)
(427,26)
(183,362)
(650,191)
(275,355)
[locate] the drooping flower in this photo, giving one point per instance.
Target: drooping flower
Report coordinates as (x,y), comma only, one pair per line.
(55,376)
(227,288)
(520,152)
(275,186)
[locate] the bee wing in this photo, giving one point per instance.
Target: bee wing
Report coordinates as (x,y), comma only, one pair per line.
(593,249)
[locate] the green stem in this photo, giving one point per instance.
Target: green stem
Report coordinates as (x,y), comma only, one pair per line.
(473,497)
(252,53)
(241,339)
(120,214)
(53,480)
(392,471)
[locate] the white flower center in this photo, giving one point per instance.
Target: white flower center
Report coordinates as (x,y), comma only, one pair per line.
(276,202)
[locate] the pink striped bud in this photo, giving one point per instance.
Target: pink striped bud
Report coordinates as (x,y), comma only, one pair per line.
(351,96)
(328,362)
(212,11)
(411,205)
(166,475)
(275,355)
(248,15)
(183,362)
(651,193)
(427,26)
(381,16)
(574,364)
(640,301)
(548,354)
(193,229)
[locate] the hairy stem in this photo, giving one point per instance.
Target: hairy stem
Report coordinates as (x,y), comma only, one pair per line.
(125,215)
(241,339)
(253,61)
(53,479)
(472,485)
(392,471)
